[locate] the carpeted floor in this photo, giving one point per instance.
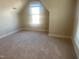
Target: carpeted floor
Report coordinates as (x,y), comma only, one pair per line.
(35,45)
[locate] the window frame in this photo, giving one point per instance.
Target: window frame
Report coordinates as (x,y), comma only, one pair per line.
(34,21)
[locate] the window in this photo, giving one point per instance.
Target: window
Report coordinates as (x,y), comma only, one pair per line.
(35,19)
(35,13)
(35,10)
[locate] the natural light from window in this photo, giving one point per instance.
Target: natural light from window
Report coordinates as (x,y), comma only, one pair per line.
(35,13)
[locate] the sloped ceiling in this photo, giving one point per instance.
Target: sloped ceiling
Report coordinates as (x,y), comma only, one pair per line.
(47,3)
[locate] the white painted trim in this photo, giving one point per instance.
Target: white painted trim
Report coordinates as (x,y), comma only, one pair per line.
(60,36)
(7,34)
(28,29)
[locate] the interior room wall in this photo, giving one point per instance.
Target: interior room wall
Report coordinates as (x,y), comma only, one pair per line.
(9,20)
(76,30)
(61,17)
(26,19)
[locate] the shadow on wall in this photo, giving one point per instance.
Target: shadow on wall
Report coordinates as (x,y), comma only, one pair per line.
(35,17)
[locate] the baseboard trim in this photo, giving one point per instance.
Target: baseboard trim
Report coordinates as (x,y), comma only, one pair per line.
(7,34)
(28,29)
(60,36)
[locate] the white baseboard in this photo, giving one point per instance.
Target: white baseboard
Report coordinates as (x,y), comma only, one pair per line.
(7,34)
(28,29)
(60,36)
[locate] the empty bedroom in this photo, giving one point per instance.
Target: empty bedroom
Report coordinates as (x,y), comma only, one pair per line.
(39,29)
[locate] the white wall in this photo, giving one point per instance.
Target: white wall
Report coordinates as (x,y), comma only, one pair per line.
(26,18)
(9,15)
(76,31)
(61,16)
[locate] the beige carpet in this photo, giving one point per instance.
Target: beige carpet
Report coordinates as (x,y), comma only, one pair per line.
(35,45)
